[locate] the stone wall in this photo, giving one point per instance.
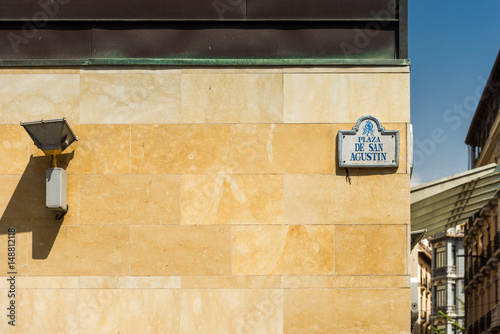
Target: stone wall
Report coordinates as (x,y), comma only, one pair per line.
(206,200)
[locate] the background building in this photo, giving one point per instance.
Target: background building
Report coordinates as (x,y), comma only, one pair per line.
(204,192)
(448,279)
(482,239)
(422,269)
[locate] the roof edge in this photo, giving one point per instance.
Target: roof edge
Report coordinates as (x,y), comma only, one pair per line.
(496,66)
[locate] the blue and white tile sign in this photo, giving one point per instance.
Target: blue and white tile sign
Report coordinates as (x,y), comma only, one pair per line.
(368,144)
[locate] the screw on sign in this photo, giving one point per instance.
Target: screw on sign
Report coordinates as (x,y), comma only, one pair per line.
(414,306)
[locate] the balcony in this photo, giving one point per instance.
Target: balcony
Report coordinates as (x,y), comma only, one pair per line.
(495,318)
(444,271)
(496,244)
(449,309)
(471,281)
(478,274)
(485,270)
(492,261)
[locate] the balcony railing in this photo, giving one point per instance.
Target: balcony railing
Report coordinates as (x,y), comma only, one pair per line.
(449,309)
(444,271)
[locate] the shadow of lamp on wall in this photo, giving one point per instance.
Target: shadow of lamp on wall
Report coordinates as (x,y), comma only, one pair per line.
(53,136)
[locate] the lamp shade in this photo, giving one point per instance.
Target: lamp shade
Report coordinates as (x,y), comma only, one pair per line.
(50,134)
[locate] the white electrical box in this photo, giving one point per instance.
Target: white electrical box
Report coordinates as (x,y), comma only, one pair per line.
(56,184)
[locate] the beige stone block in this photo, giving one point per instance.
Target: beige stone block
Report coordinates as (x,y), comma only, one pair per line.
(100,149)
(40,70)
(5,300)
(124,69)
(347,69)
(290,148)
(232,282)
(130,97)
(32,97)
(231,70)
(180,250)
(51,282)
(129,311)
(232,311)
(14,148)
(232,199)
(401,127)
(346,311)
(283,250)
(47,311)
(311,311)
(345,282)
(181,149)
(382,311)
(78,250)
(73,199)
(330,199)
(344,97)
(130,200)
(22,199)
(130,282)
(232,98)
(14,260)
(359,250)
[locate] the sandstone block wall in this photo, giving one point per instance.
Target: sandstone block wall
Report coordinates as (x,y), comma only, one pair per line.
(206,200)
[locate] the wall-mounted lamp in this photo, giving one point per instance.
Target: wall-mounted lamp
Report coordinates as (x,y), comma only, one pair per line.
(53,136)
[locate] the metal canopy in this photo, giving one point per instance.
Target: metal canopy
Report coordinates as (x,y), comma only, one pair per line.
(439,205)
(416,236)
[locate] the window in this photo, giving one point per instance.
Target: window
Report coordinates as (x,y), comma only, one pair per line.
(496,292)
(440,295)
(453,294)
(440,257)
(453,255)
(488,235)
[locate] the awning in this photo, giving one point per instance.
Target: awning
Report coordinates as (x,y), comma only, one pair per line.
(439,205)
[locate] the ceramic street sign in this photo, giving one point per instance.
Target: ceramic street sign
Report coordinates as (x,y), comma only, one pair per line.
(368,144)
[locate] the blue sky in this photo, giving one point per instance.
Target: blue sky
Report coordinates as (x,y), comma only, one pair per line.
(452,48)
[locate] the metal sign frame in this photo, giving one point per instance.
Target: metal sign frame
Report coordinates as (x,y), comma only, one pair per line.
(382,131)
